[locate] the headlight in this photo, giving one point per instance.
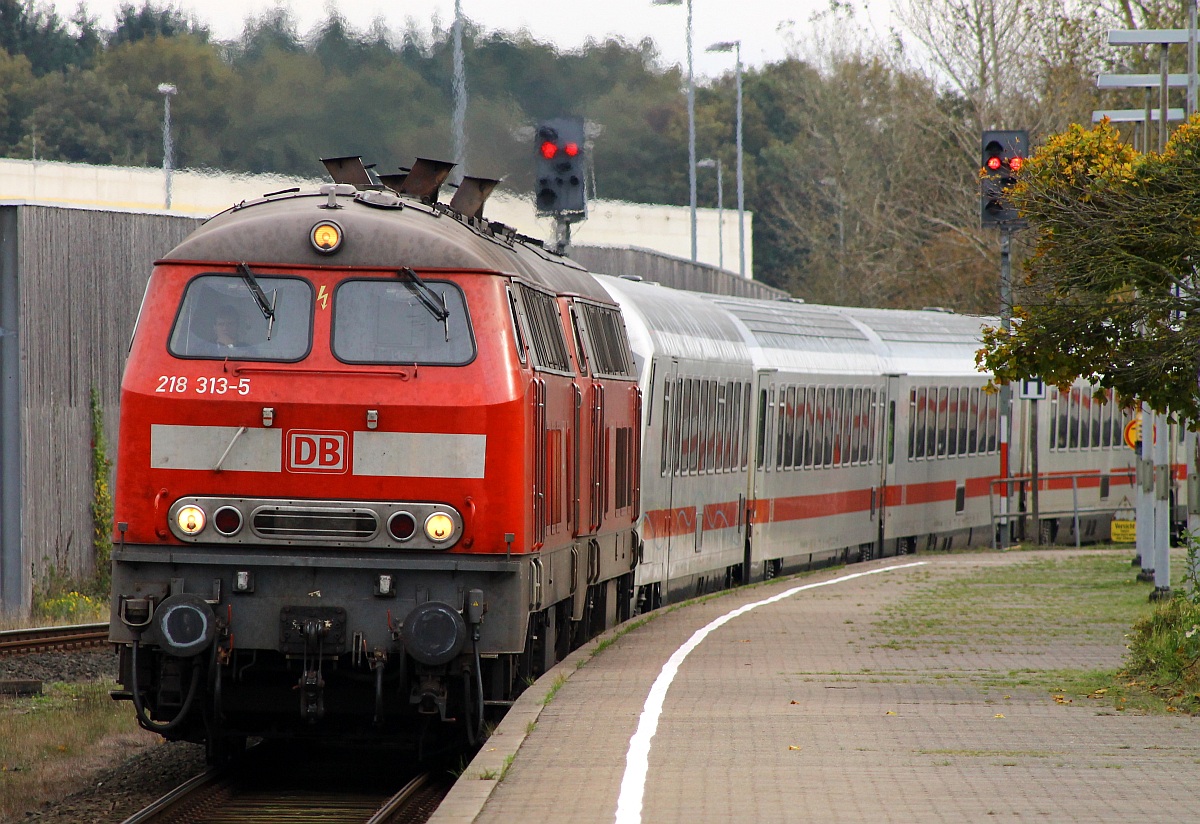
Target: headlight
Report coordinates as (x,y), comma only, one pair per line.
(190,519)
(439,527)
(326,237)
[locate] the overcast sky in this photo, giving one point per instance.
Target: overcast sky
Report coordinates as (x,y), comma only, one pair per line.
(767,28)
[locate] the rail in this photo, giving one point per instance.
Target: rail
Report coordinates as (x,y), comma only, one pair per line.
(45,638)
(1004,489)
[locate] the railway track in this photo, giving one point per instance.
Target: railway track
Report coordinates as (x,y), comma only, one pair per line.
(41,639)
(264,790)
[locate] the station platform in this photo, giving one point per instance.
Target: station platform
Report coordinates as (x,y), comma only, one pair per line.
(788,702)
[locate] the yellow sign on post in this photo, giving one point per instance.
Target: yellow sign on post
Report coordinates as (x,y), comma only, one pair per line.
(1133,432)
(1124,532)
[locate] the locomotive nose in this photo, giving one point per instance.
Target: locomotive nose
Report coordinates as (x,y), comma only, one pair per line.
(434,633)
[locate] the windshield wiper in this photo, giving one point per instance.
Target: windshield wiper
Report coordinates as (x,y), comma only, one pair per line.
(430,299)
(260,297)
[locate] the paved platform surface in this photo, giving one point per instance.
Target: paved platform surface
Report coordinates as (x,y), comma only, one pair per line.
(799,710)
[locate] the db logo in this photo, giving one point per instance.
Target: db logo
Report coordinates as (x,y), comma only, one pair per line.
(316,451)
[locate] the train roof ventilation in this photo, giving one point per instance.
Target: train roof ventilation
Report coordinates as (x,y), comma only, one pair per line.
(349,169)
(393,182)
(472,193)
(425,178)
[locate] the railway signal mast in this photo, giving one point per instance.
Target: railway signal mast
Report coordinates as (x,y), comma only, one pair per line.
(1153,501)
(1003,152)
(561,158)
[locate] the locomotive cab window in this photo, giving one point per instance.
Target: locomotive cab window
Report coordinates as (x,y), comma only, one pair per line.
(402,321)
(223,316)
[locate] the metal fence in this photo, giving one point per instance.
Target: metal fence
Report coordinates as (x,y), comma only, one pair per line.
(71,283)
(1006,489)
(674,272)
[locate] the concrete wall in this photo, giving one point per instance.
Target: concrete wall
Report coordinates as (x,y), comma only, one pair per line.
(665,229)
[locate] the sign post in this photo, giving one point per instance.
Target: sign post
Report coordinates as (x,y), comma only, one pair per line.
(1034,390)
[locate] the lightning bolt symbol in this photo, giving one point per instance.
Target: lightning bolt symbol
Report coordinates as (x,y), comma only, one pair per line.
(323,297)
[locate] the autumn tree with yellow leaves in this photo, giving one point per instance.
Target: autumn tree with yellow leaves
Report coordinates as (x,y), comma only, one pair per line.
(1110,290)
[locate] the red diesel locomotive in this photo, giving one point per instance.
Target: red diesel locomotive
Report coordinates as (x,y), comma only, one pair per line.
(378,467)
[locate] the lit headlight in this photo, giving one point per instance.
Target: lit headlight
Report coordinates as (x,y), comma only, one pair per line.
(439,527)
(190,519)
(326,237)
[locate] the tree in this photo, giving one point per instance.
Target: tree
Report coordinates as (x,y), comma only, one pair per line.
(134,24)
(200,111)
(42,36)
(1110,292)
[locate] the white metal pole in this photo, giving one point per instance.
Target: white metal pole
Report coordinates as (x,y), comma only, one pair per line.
(691,104)
(720,219)
(166,90)
(741,190)
(459,125)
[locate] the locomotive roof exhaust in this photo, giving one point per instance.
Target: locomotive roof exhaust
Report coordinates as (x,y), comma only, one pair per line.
(472,193)
(349,169)
(423,181)
(425,178)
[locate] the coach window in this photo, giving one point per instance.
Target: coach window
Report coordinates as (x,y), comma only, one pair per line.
(993,420)
(220,317)
(943,418)
(687,449)
(912,424)
(963,410)
(401,321)
(952,424)
(971,420)
(854,400)
(1073,421)
(871,398)
(1120,418)
(808,425)
(830,425)
(677,418)
(841,443)
(1097,422)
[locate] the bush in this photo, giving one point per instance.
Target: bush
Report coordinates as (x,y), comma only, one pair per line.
(70,608)
(1164,647)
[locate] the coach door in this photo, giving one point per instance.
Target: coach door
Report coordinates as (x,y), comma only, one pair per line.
(889,415)
(758,496)
(671,412)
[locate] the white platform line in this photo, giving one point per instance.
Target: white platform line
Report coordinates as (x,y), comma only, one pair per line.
(637,759)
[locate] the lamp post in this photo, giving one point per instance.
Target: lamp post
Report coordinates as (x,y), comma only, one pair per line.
(166,90)
(691,105)
(459,118)
(709,163)
(736,47)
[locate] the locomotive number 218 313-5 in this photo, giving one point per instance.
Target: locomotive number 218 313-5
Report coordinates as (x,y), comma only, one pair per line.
(202,385)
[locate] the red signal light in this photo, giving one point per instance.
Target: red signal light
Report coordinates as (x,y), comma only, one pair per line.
(994,163)
(1016,163)
(548,150)
(571,149)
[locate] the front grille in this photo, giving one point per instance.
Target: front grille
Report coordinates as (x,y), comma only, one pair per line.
(315,524)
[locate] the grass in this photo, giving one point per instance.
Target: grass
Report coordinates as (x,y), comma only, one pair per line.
(1091,599)
(46,741)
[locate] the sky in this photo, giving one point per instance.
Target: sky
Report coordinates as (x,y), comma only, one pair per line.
(767,28)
